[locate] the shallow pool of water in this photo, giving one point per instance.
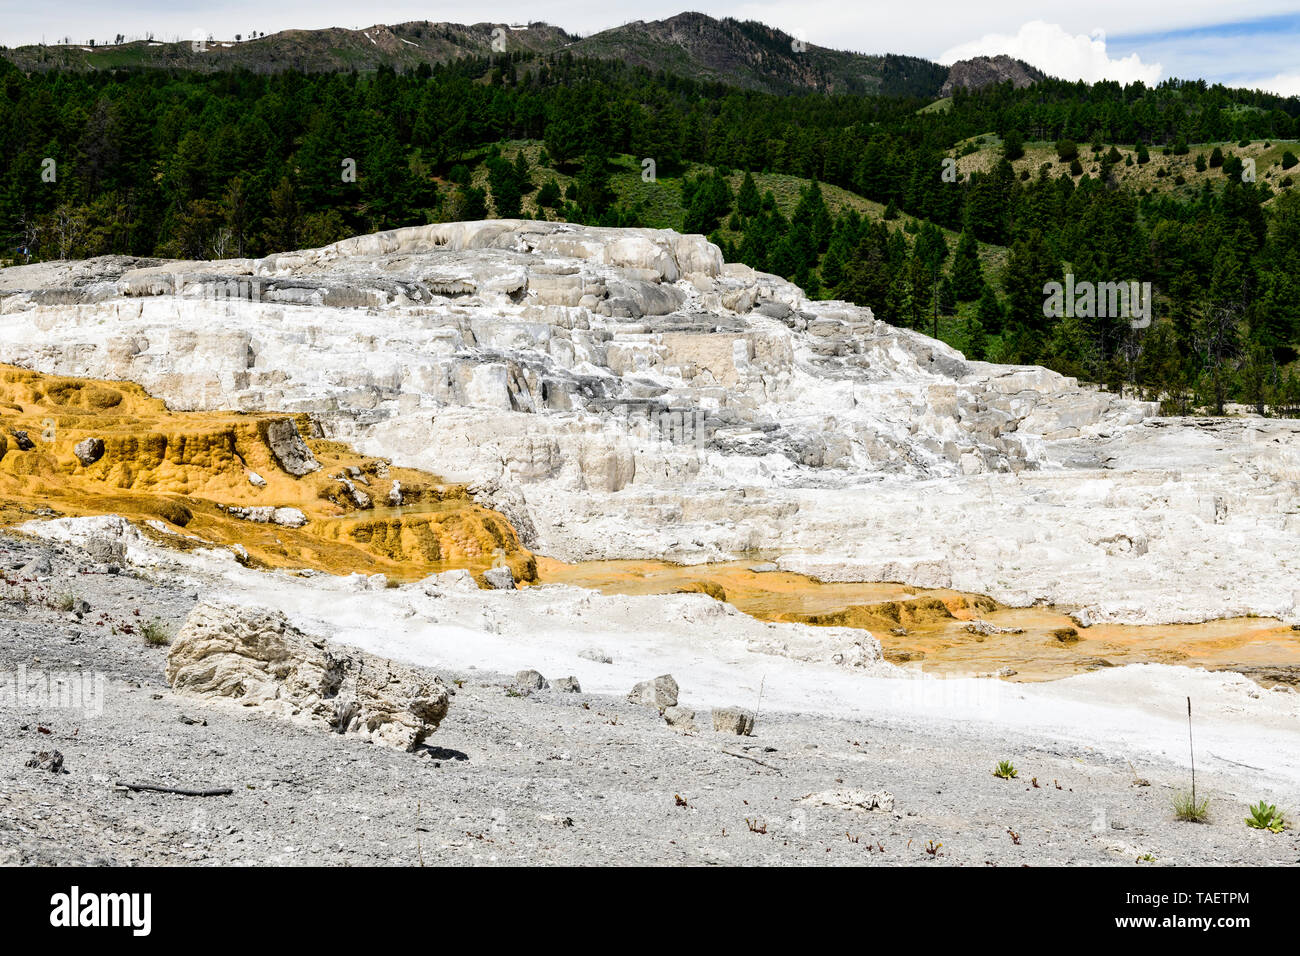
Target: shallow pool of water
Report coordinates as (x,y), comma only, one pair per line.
(915,631)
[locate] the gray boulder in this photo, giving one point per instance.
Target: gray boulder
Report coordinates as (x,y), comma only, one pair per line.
(499,579)
(733,720)
(359,497)
(660,692)
(290,451)
(681,718)
(528,681)
(38,567)
(89,450)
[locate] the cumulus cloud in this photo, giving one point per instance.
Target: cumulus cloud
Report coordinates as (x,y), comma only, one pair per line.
(1053,50)
(1284,84)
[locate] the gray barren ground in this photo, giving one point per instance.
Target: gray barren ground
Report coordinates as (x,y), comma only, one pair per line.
(545,777)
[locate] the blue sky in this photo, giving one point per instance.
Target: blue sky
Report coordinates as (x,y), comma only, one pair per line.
(1238,53)
(1253,45)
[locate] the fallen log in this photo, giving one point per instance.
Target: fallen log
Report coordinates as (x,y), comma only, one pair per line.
(220,792)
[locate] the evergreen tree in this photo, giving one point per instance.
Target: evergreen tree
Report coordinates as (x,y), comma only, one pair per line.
(989,311)
(967,275)
(1013,145)
(503,180)
(280,227)
(748,201)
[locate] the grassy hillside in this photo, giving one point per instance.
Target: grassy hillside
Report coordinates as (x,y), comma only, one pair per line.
(659,204)
(1164,172)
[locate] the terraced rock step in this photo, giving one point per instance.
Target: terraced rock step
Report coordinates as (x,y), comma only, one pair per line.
(232,480)
(624,393)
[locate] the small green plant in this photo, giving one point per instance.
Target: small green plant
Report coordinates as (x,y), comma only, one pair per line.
(1264,816)
(1005,771)
(1146,858)
(155,635)
(66,602)
(1186,807)
(1189,809)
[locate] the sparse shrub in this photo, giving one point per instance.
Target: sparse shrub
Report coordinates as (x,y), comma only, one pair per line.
(155,635)
(1005,771)
(173,511)
(66,602)
(1188,809)
(1265,816)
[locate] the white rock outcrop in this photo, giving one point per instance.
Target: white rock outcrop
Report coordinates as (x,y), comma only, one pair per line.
(253,657)
(624,393)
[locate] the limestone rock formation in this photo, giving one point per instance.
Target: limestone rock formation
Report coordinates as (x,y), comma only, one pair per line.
(254,657)
(624,393)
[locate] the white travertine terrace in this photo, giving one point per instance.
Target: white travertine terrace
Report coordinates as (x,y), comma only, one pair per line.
(625,393)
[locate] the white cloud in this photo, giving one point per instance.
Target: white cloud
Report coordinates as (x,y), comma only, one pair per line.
(1053,50)
(1284,84)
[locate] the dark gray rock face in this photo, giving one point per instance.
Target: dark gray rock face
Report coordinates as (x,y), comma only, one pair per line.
(291,452)
(89,450)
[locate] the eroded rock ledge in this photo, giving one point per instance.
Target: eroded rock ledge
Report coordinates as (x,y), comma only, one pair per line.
(254,657)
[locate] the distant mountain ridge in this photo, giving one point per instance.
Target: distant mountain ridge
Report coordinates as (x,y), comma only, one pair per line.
(745,54)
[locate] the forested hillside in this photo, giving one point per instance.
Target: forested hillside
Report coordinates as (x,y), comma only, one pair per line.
(948,219)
